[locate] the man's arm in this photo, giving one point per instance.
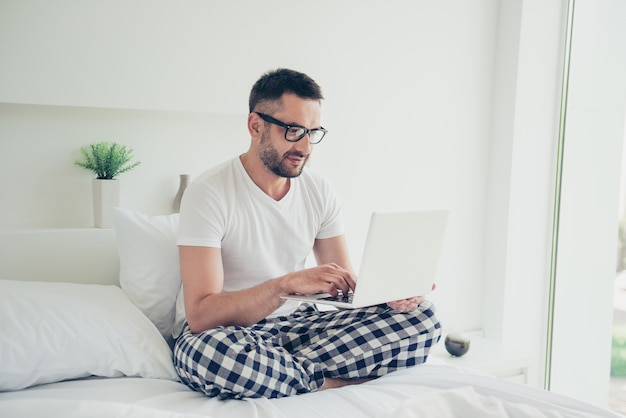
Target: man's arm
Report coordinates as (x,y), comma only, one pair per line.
(207,306)
(333,250)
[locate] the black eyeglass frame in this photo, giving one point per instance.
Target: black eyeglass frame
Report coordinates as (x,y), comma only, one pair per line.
(268,118)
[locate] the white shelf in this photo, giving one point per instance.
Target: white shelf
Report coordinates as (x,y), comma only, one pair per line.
(77,255)
(491,358)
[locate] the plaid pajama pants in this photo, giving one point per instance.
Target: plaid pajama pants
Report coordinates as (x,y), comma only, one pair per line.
(293,354)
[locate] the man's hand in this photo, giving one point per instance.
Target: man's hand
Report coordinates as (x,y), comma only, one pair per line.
(327,278)
(408,305)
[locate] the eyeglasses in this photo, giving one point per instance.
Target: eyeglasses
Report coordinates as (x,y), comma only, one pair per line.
(296,133)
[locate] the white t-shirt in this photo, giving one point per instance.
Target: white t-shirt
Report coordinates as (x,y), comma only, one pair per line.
(260,238)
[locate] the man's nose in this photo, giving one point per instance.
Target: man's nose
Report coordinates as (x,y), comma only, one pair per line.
(304,145)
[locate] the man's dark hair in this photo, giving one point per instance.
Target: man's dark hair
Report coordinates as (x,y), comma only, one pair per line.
(273,84)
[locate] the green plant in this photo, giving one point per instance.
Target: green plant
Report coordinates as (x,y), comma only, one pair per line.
(618,351)
(107,160)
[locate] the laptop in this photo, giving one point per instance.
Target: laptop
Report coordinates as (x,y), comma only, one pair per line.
(400,260)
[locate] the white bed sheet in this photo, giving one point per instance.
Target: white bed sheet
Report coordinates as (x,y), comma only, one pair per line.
(430,390)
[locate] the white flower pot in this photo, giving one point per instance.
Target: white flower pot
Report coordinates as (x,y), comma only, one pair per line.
(106,196)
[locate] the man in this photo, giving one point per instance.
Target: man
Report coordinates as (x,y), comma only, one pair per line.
(246,229)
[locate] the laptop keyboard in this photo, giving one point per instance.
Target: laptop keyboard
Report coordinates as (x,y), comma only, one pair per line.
(340,298)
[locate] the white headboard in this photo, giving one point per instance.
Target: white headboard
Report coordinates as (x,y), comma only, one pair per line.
(68,255)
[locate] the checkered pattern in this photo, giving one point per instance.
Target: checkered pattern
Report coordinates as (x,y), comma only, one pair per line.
(293,354)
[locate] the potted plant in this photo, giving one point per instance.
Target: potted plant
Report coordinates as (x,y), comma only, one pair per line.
(106,160)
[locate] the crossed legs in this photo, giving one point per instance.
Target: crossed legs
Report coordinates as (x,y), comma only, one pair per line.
(306,351)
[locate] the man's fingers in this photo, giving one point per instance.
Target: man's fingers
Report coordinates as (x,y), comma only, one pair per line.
(341,284)
(342,278)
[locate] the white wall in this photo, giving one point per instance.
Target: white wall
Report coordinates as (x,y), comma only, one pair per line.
(429,104)
(408,90)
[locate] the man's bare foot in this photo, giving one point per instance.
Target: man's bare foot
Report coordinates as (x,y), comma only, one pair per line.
(334,382)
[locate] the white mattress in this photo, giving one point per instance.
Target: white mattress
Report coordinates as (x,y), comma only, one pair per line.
(430,390)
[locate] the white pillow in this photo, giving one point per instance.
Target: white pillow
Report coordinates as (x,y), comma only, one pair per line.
(57,331)
(149,267)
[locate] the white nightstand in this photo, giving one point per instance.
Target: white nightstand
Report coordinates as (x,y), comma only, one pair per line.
(489,357)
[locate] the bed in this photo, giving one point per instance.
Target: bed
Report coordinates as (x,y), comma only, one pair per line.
(86,322)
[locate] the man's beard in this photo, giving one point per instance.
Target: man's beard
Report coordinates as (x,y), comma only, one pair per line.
(276,163)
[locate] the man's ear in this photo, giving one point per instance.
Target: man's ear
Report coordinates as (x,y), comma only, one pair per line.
(255,126)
